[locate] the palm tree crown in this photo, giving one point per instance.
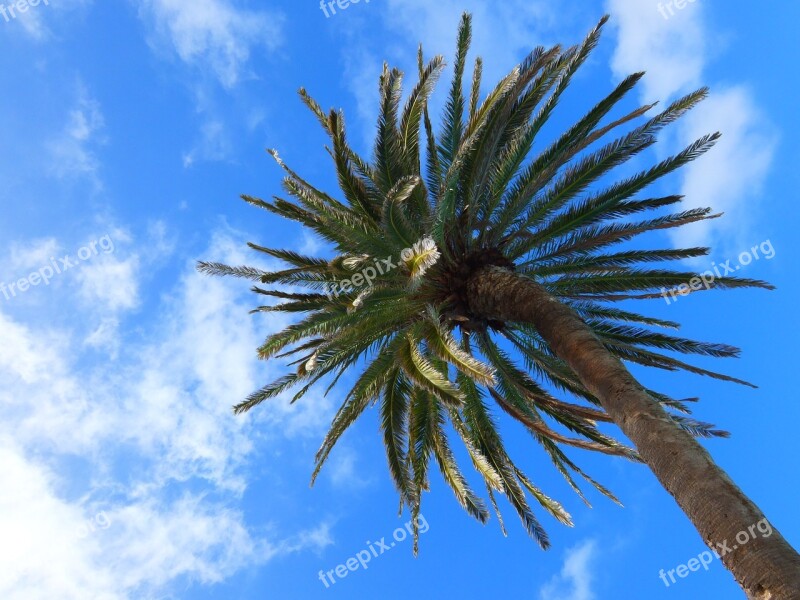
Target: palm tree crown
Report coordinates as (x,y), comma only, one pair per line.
(394,299)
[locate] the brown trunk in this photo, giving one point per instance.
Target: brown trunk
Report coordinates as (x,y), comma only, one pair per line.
(767,568)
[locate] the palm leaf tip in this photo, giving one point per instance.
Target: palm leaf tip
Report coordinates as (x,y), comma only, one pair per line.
(419,258)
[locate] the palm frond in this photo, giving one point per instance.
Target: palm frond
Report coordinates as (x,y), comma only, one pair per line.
(408,228)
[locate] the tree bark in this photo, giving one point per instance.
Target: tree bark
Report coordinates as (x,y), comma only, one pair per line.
(767,568)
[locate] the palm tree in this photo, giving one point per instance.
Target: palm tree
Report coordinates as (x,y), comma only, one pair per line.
(491,274)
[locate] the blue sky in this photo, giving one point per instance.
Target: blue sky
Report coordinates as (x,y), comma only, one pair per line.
(130,127)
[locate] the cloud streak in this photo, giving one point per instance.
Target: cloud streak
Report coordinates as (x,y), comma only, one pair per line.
(73,151)
(213,34)
(574,582)
(674,52)
(151,442)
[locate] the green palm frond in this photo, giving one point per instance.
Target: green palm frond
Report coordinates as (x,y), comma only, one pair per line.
(434,206)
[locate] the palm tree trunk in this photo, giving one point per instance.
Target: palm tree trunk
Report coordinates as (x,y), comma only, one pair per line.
(765,567)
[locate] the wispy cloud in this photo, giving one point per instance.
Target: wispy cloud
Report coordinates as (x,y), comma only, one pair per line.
(344,470)
(152,443)
(213,144)
(73,151)
(731,176)
(213,34)
(34,21)
(671,51)
(674,52)
(218,40)
(574,582)
(45,555)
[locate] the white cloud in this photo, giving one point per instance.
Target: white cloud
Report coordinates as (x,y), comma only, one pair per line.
(217,38)
(213,144)
(343,469)
(161,242)
(110,283)
(153,441)
(361,72)
(32,255)
(73,151)
(33,20)
(671,51)
(24,357)
(98,273)
(213,33)
(48,552)
(190,536)
(105,337)
(41,553)
(729,178)
(574,582)
(674,52)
